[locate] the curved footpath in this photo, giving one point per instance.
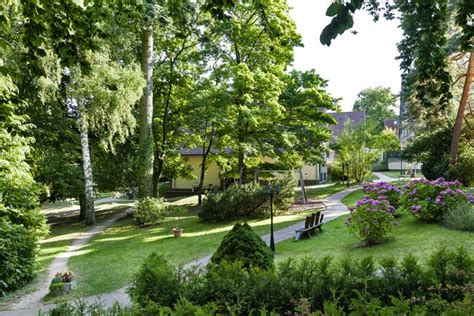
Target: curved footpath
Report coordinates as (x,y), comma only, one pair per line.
(31,304)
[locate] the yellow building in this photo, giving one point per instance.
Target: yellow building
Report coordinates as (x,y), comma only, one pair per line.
(312,174)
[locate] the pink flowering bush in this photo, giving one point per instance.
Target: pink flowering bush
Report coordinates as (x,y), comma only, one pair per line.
(371,219)
(390,191)
(429,200)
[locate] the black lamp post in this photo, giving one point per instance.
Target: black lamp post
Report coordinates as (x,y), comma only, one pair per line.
(271,192)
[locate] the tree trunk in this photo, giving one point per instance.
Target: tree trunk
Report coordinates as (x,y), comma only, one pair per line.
(157,172)
(146,159)
(82,207)
(462,107)
(89,183)
(205,153)
(241,167)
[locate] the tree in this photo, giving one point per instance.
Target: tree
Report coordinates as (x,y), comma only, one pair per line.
(378,104)
(102,102)
(21,222)
(302,129)
(178,68)
(252,45)
(359,147)
(423,51)
(146,140)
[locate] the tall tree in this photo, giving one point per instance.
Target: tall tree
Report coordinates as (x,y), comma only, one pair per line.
(102,102)
(145,180)
(423,50)
(178,68)
(253,44)
(378,103)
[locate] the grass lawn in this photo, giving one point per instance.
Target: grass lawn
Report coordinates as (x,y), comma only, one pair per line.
(352,198)
(110,260)
(325,191)
(408,237)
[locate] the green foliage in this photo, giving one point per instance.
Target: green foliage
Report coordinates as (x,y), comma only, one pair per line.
(18,251)
(325,285)
(430,149)
(460,217)
(353,151)
(371,220)
(235,202)
(244,245)
(464,169)
(156,282)
(21,222)
(149,211)
(429,200)
(378,104)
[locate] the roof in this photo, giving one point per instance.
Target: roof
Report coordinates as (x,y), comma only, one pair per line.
(195,151)
(356,118)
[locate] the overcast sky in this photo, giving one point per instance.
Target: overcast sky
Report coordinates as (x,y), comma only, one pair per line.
(352,62)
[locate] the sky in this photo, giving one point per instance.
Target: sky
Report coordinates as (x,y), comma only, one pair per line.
(352,62)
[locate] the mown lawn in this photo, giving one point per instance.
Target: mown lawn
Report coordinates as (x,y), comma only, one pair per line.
(352,198)
(408,237)
(323,192)
(110,260)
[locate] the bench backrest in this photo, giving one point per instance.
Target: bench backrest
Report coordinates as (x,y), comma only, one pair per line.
(309,221)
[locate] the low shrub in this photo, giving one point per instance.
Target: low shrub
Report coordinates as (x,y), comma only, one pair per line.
(371,220)
(312,285)
(244,245)
(156,282)
(390,191)
(460,217)
(149,211)
(428,200)
(286,195)
(249,200)
(335,173)
(236,202)
(18,251)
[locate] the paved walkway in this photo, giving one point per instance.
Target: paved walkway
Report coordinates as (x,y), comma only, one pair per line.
(31,304)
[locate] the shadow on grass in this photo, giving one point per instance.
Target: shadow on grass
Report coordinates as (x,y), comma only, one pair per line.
(109,260)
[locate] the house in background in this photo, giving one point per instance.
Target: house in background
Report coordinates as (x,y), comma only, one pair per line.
(312,174)
(405,135)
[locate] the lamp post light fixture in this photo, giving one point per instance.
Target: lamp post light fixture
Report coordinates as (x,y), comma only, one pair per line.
(272,190)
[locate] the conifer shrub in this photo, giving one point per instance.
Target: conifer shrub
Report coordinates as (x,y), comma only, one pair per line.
(157,282)
(244,245)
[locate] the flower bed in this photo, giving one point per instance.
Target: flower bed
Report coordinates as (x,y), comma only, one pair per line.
(429,200)
(390,191)
(371,219)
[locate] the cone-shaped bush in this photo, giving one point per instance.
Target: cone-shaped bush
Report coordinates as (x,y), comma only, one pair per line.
(243,244)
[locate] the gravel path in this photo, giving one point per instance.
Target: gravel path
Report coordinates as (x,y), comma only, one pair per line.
(31,304)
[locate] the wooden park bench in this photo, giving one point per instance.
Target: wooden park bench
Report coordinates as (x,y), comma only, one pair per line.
(311,223)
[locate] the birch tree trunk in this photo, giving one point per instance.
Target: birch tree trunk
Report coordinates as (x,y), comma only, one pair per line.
(460,116)
(146,159)
(89,182)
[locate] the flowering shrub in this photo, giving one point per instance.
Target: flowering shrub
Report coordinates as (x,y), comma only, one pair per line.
(429,200)
(371,220)
(390,191)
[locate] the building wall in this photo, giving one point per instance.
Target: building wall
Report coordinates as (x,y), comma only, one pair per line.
(394,164)
(212,174)
(211,177)
(310,172)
